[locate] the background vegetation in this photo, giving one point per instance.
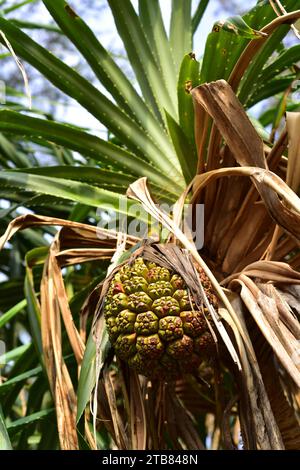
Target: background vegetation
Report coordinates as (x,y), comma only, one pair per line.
(57,162)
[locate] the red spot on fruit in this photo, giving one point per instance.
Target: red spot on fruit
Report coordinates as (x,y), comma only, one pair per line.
(118,288)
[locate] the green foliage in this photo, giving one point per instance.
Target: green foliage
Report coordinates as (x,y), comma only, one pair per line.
(151,133)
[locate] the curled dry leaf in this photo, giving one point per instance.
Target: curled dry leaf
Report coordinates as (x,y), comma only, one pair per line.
(220,102)
(68,248)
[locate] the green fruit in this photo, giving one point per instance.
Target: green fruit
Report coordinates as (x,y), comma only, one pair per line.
(153,322)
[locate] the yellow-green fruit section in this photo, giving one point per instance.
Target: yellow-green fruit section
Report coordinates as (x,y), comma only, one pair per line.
(152,323)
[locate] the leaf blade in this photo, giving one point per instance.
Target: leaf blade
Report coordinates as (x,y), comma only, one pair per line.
(141,57)
(108,72)
(151,19)
(180,30)
(5,443)
(185,151)
(74,85)
(198,15)
(188,79)
(82,142)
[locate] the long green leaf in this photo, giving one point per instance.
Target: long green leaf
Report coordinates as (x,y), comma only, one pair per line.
(85,143)
(72,190)
(272,88)
(7,316)
(199,12)
(22,423)
(259,77)
(79,212)
(16,6)
(13,155)
(32,25)
(141,57)
(74,85)
(217,60)
(114,180)
(153,26)
(89,368)
(188,79)
(34,257)
(9,384)
(26,363)
(267,116)
(87,378)
(96,176)
(5,443)
(35,397)
(223,48)
(15,353)
(181,30)
(108,72)
(184,149)
(254,76)
(285,60)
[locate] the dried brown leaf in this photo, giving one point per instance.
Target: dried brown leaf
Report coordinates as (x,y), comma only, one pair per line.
(220,102)
(293,167)
(138,421)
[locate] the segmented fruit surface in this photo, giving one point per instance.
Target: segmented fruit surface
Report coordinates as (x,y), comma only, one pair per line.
(153,323)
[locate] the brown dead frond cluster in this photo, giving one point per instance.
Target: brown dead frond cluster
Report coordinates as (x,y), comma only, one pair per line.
(251,257)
